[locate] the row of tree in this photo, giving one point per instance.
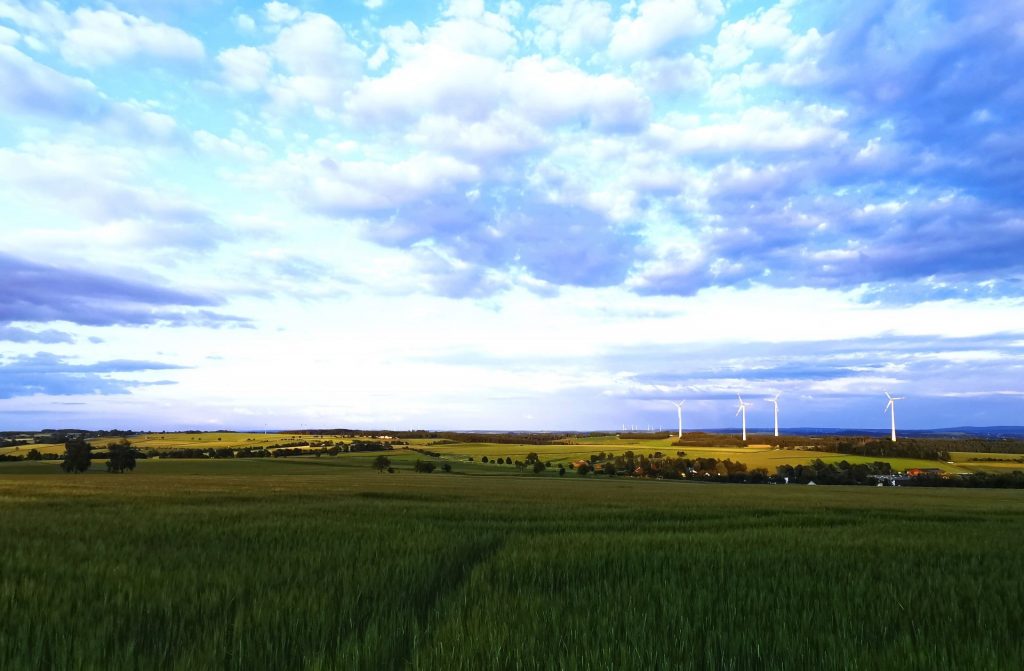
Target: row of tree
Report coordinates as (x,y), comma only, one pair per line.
(78,456)
(868,446)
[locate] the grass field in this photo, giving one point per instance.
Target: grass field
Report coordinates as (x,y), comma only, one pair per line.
(325,564)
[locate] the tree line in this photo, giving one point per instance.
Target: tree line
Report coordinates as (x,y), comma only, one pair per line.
(937,449)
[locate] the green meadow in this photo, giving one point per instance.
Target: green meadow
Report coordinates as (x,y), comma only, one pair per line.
(323,563)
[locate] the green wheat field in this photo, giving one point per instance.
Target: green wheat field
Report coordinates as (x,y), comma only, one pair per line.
(325,563)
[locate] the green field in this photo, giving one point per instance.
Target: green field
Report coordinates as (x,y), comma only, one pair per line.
(322,563)
(754,456)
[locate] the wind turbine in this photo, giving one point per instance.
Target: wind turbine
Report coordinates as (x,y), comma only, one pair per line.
(892,405)
(776,402)
(679,410)
(743,409)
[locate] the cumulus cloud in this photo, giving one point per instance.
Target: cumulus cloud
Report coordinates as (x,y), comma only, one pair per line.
(102,37)
(545,92)
(575,28)
(245,68)
(656,24)
(93,38)
(756,129)
(343,187)
(312,61)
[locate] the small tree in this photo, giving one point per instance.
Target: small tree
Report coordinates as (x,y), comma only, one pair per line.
(583,469)
(422,466)
(561,470)
(538,467)
(484,459)
(381,463)
(446,467)
(34,455)
(77,456)
(122,457)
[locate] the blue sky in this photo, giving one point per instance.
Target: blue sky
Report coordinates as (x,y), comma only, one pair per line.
(510,215)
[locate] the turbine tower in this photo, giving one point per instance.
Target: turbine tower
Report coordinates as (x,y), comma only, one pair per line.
(776,402)
(892,406)
(743,409)
(679,411)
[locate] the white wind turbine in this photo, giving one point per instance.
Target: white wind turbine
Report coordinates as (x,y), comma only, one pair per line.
(743,408)
(775,401)
(892,405)
(679,411)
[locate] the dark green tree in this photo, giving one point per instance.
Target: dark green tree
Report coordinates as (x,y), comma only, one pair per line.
(422,466)
(77,456)
(121,458)
(381,463)
(538,467)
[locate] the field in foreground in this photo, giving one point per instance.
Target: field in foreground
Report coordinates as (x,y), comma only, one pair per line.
(321,564)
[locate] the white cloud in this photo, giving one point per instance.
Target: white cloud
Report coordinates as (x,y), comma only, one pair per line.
(245,68)
(465,8)
(281,12)
(686,73)
(311,61)
(102,37)
(658,23)
(378,58)
(245,23)
(360,185)
(738,40)
(471,30)
(29,87)
(9,36)
(755,129)
(45,19)
(551,92)
(572,27)
(236,145)
(373,4)
(500,134)
(436,80)
(103,199)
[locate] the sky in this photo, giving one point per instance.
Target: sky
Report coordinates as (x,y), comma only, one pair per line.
(510,215)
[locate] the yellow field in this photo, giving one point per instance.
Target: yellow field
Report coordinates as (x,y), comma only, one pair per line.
(170,441)
(754,456)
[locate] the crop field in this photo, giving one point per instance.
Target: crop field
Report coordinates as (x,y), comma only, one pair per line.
(992,462)
(755,456)
(170,441)
(323,563)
